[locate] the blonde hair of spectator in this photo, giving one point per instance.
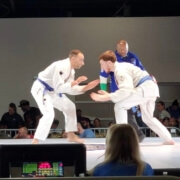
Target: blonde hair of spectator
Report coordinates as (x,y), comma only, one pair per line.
(122,146)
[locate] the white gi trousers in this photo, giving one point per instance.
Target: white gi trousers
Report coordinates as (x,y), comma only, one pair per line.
(46,102)
(147,106)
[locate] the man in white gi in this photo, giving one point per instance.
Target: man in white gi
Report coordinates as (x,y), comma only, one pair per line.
(49,92)
(135,87)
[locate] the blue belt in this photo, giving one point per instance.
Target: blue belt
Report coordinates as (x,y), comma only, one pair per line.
(144,79)
(47,87)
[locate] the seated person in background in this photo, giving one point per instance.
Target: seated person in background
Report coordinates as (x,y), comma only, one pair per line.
(173,122)
(11,119)
(31,114)
(86,123)
(122,154)
(54,133)
(162,113)
(3,134)
(110,123)
(97,124)
(64,134)
(84,133)
(174,109)
(166,121)
(23,134)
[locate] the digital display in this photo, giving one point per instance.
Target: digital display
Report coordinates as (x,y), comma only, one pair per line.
(42,169)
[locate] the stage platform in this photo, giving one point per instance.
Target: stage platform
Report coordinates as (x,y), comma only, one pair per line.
(158,155)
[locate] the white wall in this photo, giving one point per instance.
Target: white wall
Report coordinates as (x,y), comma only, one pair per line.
(28,45)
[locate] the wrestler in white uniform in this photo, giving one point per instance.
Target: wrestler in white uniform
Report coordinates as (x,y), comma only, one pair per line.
(131,94)
(59,76)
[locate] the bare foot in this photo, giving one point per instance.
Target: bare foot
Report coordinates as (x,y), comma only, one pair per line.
(35,141)
(73,138)
(170,142)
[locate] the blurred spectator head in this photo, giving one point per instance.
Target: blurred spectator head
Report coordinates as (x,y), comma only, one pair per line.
(160,105)
(85,122)
(12,108)
(22,133)
(110,124)
(175,104)
(24,104)
(97,123)
(122,144)
(173,122)
(166,121)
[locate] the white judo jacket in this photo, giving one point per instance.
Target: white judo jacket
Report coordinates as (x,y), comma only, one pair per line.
(127,77)
(59,76)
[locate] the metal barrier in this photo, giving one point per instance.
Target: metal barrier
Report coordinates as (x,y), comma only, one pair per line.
(99,132)
(11,132)
(175,132)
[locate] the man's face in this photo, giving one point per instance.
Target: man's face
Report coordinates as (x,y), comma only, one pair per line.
(172,122)
(11,111)
(105,66)
(159,107)
(122,49)
(85,124)
(23,108)
(78,61)
(166,123)
(97,123)
(21,133)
